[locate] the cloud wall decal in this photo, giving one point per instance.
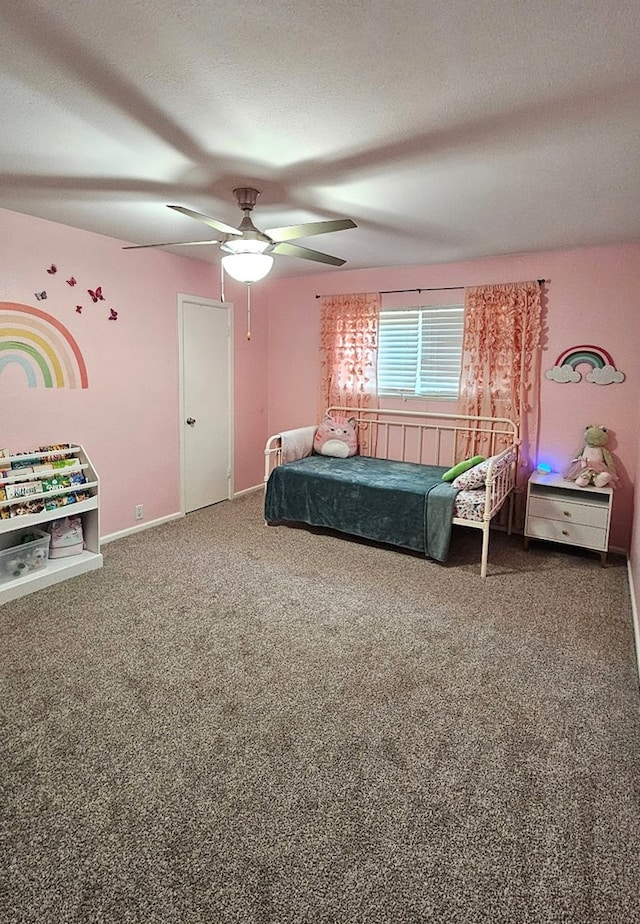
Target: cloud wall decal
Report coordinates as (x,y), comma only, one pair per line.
(603,370)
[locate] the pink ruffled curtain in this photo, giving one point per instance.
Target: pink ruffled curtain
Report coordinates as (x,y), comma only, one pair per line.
(501,365)
(349,350)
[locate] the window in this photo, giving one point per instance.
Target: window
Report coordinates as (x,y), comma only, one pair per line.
(420,351)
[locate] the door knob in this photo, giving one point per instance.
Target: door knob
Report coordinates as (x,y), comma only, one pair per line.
(191,421)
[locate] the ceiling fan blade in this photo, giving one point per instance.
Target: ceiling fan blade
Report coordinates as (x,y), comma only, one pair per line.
(311,228)
(218,225)
(169,244)
(294,250)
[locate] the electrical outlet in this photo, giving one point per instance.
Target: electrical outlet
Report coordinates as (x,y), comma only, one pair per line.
(138,512)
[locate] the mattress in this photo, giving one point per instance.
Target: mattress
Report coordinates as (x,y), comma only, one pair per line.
(469,505)
(399,503)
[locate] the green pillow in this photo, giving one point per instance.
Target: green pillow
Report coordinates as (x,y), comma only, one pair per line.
(462,467)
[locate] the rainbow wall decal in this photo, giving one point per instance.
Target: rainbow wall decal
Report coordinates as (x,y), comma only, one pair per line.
(42,347)
(603,369)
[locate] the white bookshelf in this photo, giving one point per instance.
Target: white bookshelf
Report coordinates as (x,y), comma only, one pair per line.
(12,527)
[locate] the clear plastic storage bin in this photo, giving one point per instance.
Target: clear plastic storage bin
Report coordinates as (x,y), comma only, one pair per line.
(30,554)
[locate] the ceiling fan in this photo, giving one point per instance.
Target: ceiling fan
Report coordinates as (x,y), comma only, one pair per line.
(248,250)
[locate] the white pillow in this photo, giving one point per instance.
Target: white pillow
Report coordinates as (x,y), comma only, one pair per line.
(475,477)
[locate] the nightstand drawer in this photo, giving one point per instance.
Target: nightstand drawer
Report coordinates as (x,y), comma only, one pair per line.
(589,537)
(568,512)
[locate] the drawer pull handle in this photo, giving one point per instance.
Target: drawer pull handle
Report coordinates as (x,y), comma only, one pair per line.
(565,532)
(567,513)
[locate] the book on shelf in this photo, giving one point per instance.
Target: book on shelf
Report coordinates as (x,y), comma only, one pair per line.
(23,489)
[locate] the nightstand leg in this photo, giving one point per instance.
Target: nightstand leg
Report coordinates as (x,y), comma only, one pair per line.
(526,543)
(603,559)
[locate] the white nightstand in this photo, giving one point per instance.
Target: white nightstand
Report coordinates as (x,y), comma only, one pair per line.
(560,511)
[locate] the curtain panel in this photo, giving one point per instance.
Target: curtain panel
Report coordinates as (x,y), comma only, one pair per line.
(349,350)
(501,365)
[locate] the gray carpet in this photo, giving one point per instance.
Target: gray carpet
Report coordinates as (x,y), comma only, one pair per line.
(238,723)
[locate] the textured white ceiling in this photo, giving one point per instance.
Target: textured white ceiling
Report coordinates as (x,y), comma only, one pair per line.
(446,129)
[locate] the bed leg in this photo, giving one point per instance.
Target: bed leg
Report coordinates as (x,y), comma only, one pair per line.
(485,550)
(510,514)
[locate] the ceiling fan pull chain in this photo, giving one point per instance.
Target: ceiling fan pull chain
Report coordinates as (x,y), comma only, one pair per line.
(221,283)
(248,312)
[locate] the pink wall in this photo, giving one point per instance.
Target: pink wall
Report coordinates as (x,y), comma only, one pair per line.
(634,554)
(250,384)
(590,298)
(128,417)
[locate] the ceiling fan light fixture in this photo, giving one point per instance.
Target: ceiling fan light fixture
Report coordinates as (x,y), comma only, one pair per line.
(244,245)
(247,267)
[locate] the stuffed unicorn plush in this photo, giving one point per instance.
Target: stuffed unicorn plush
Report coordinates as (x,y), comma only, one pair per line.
(336,436)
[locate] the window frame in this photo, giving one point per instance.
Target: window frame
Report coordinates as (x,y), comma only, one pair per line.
(418,364)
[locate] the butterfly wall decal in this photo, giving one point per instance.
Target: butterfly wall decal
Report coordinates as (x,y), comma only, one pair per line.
(113,315)
(71,281)
(52,269)
(79,309)
(96,295)
(40,295)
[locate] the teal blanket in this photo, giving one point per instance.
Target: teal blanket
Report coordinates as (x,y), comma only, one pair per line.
(400,503)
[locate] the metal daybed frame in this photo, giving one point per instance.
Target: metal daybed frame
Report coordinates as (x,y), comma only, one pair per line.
(432,439)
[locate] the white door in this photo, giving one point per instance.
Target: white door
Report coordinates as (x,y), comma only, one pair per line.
(206,401)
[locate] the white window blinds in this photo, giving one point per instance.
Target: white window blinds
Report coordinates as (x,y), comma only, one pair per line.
(420,351)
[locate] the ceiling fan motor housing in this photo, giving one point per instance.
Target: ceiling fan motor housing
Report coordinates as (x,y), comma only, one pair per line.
(247,197)
(252,239)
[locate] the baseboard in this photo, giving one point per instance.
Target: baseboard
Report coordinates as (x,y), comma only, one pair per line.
(257,487)
(172,516)
(139,527)
(635,619)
